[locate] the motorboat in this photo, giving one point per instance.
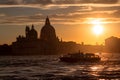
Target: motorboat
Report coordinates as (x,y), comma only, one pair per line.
(80,57)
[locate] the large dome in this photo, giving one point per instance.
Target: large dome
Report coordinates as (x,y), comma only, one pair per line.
(48,31)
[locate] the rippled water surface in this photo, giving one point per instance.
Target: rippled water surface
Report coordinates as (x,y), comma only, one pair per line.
(50,68)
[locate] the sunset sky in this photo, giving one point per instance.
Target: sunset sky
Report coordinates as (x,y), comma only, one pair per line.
(74,20)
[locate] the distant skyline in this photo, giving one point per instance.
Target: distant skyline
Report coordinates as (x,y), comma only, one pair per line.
(72,19)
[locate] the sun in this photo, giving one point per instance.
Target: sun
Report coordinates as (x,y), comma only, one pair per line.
(97,27)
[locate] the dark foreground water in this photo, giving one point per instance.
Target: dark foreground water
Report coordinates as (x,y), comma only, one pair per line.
(49,68)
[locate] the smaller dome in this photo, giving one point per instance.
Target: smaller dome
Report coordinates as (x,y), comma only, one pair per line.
(33,30)
(33,33)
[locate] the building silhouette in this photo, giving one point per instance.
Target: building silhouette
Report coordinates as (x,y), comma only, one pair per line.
(31,34)
(48,32)
(47,43)
(48,39)
(112,44)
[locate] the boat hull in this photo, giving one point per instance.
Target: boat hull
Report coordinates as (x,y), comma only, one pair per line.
(71,60)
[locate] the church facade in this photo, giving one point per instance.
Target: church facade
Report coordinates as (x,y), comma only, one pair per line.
(47,43)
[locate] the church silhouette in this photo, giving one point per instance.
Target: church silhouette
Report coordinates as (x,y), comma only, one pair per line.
(47,43)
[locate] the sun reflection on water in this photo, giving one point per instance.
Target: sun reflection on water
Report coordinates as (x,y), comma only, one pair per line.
(94,68)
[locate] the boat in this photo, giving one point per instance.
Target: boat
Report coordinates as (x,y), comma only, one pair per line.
(80,57)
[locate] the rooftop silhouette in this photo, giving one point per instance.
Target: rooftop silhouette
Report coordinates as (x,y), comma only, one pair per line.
(47,43)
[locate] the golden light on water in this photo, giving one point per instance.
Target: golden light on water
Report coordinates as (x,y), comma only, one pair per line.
(94,68)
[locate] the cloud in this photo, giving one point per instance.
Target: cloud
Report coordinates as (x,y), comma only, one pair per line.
(55,4)
(116,14)
(11,2)
(2,15)
(47,2)
(43,2)
(62,18)
(20,20)
(85,1)
(59,14)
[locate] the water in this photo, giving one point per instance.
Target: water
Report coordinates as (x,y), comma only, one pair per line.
(49,68)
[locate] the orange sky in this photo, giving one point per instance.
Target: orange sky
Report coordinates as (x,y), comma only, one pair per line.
(72,32)
(71,19)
